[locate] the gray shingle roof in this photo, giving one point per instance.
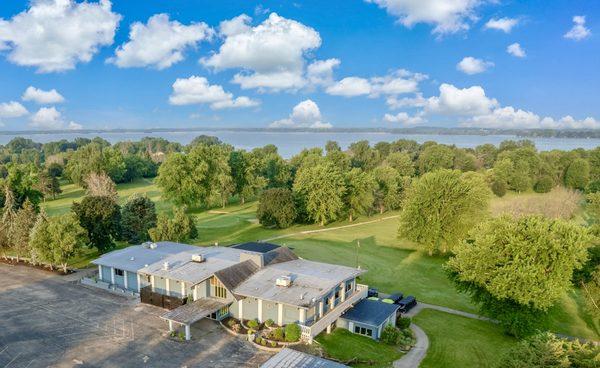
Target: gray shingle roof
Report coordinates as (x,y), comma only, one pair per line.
(234,275)
(288,358)
(371,312)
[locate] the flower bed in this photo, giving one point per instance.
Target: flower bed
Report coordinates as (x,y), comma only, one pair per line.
(230,324)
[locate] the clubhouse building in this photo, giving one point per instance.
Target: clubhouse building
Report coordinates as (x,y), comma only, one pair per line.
(247,281)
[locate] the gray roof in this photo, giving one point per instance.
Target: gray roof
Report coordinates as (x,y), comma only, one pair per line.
(281,254)
(234,275)
(194,311)
(309,280)
(371,312)
(288,358)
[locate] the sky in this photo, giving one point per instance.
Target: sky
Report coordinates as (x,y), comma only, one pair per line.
(101,64)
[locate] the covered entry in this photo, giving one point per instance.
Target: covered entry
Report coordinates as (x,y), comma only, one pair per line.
(192,312)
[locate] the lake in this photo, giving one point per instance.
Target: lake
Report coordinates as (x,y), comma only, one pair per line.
(290,143)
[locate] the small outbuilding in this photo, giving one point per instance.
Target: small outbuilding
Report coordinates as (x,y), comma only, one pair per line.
(369,317)
(288,358)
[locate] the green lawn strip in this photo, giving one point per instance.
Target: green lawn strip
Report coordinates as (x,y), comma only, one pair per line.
(458,342)
(570,317)
(345,346)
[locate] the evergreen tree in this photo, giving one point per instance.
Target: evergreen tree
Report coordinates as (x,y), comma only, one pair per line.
(137,217)
(22,224)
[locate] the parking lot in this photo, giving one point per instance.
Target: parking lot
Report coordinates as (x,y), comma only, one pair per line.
(48,321)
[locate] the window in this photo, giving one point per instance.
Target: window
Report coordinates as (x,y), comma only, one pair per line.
(119,272)
(363,331)
(219,290)
(337,294)
(349,287)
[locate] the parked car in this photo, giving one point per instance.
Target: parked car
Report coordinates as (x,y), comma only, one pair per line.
(372,292)
(407,303)
(396,297)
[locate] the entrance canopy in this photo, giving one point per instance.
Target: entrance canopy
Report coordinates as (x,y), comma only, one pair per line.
(192,312)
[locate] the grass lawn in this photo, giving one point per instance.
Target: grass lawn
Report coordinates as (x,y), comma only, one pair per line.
(345,346)
(458,342)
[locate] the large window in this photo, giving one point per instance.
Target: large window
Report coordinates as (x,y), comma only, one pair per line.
(363,331)
(219,290)
(119,272)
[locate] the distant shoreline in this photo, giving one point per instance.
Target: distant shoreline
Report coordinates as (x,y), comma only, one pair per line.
(522,133)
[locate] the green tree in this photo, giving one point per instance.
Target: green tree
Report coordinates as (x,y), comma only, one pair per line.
(178,229)
(101,185)
(137,217)
(577,175)
(245,174)
(95,158)
(516,269)
(101,218)
(7,222)
(591,291)
(498,187)
(441,207)
(22,180)
(21,228)
(363,156)
(358,197)
(401,162)
(389,188)
(322,187)
(436,156)
(276,207)
(464,161)
(544,184)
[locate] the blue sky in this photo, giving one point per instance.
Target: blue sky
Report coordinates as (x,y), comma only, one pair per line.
(352,63)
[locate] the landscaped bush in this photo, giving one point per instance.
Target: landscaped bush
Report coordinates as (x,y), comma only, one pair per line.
(253,324)
(406,339)
(258,340)
(231,322)
(390,335)
(263,342)
(269,323)
(403,322)
(273,344)
(499,188)
(292,332)
(277,334)
(251,332)
(236,328)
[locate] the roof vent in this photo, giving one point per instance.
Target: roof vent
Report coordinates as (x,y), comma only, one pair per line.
(132,259)
(199,258)
(284,281)
(166,266)
(153,245)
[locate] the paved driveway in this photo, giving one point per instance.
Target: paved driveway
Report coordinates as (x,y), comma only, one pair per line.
(46,321)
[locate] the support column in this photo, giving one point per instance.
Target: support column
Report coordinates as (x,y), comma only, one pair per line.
(125,280)
(168,286)
(241,309)
(188,334)
(100,273)
(195,292)
(302,315)
(260,311)
(280,314)
(171,329)
(343,293)
(329,328)
(152,282)
(139,280)
(320,309)
(183,289)
(112,275)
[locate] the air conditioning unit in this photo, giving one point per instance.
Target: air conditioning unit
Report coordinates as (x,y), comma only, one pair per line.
(166,266)
(284,281)
(199,258)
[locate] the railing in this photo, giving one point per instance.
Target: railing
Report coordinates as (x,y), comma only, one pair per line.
(308,332)
(148,296)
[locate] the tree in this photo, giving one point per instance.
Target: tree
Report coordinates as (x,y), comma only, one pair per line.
(546,350)
(363,156)
(498,187)
(516,269)
(40,241)
(276,207)
(544,184)
(48,185)
(7,222)
(101,185)
(138,215)
(436,156)
(359,192)
(191,179)
(401,162)
(22,224)
(179,229)
(95,157)
(591,291)
(577,175)
(322,187)
(22,180)
(441,207)
(101,218)
(389,188)
(55,169)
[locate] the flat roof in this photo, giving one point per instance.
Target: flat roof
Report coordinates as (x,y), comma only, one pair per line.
(256,247)
(192,312)
(309,280)
(288,358)
(370,312)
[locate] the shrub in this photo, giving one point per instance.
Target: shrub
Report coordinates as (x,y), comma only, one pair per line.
(406,339)
(269,323)
(258,340)
(276,208)
(593,187)
(251,331)
(544,184)
(231,322)
(263,342)
(390,335)
(403,322)
(253,324)
(277,334)
(273,344)
(181,336)
(499,188)
(292,332)
(236,328)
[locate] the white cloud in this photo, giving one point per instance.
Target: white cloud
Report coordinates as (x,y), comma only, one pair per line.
(55,35)
(510,118)
(197,90)
(470,65)
(51,118)
(12,109)
(42,97)
(395,103)
(516,50)
(404,118)
(304,115)
(462,102)
(399,82)
(271,55)
(320,72)
(160,43)
(502,24)
(579,31)
(448,16)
